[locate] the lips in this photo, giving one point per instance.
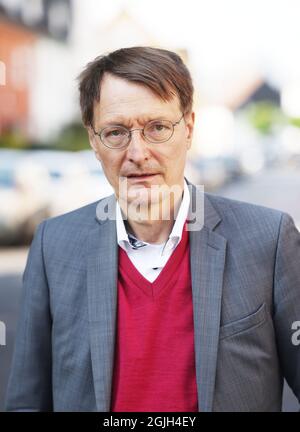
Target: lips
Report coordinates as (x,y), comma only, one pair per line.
(141,175)
(139,178)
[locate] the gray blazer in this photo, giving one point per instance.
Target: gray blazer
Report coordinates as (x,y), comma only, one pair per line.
(245,266)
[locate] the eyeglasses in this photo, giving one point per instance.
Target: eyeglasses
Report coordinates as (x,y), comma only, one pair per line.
(155,131)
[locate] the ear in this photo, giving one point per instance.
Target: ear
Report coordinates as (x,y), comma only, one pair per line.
(189,122)
(93,142)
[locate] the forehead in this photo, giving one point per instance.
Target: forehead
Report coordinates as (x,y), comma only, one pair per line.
(120,98)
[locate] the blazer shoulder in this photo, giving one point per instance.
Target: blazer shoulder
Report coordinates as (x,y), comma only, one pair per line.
(244,209)
(245,214)
(85,214)
(67,235)
(77,222)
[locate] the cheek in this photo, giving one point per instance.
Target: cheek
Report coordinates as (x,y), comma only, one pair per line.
(171,156)
(178,152)
(111,167)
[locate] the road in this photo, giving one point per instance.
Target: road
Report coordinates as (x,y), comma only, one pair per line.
(278,188)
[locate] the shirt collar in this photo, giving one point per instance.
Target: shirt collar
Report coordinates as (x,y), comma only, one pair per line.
(175,236)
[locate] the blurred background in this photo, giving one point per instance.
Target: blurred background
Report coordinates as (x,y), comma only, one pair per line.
(244,59)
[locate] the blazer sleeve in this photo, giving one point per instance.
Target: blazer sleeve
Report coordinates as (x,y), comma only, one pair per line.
(29,385)
(287,301)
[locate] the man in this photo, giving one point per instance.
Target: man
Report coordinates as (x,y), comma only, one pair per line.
(125,309)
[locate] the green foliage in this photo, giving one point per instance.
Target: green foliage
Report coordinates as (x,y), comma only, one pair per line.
(14,139)
(265,116)
(73,137)
(295,121)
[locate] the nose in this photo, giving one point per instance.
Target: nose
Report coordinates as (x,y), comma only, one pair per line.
(137,150)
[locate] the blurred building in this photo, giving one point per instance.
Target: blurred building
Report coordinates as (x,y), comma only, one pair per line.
(23,24)
(16,53)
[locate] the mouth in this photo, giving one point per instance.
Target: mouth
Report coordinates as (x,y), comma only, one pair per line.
(143,176)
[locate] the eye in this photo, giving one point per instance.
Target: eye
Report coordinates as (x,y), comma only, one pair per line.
(116,132)
(158,126)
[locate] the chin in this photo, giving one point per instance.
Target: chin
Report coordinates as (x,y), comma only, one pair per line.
(139,195)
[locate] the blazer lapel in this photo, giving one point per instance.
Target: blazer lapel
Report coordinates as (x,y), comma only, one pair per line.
(102,304)
(207,259)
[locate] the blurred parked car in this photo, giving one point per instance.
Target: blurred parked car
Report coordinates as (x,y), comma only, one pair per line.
(23,197)
(214,172)
(99,185)
(76,179)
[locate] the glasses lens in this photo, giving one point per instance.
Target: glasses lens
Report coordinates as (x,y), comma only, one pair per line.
(115,136)
(158,130)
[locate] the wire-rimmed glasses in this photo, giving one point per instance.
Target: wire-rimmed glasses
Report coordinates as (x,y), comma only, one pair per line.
(155,131)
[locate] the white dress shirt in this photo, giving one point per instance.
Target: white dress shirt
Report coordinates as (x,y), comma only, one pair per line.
(148,258)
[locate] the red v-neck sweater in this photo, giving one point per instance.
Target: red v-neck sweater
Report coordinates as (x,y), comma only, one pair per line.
(154,367)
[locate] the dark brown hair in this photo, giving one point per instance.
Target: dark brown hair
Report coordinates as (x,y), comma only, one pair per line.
(160,70)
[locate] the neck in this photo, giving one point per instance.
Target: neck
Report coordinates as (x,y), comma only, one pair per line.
(149,228)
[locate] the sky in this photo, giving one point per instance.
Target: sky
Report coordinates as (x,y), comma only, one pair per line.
(231,34)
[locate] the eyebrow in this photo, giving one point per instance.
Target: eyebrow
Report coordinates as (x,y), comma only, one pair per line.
(121,121)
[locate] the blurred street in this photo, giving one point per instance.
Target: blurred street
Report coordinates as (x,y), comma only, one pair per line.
(278,188)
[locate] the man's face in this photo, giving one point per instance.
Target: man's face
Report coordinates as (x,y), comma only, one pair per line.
(133,105)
